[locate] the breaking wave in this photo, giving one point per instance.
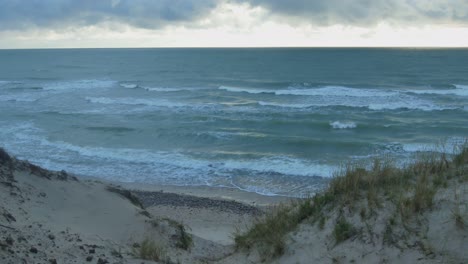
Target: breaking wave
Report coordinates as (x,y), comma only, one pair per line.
(343,125)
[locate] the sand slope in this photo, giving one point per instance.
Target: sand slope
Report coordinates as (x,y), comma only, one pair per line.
(52,217)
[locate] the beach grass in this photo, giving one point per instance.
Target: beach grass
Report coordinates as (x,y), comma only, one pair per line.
(151,250)
(410,189)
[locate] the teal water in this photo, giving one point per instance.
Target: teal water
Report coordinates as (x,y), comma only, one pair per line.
(273,121)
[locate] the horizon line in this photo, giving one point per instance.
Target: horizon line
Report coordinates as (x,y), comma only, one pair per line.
(248,47)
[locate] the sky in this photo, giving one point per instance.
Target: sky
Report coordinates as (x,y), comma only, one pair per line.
(233,23)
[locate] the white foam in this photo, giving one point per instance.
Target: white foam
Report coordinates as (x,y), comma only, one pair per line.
(273,104)
(283,165)
(165,89)
(376,104)
(322,91)
(449,146)
(343,125)
(173,163)
(330,96)
(245,90)
(337,91)
(129,85)
(405,105)
(79,84)
(134,101)
(460,90)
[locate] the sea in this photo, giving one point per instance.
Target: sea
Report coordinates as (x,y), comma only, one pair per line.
(275,121)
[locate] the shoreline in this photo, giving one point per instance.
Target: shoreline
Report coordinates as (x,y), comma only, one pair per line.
(211,192)
(201,191)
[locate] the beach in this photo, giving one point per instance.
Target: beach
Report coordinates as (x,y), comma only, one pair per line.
(55,217)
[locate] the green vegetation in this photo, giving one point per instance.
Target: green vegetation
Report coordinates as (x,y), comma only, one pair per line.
(269,233)
(126,194)
(150,250)
(343,230)
(410,189)
(184,239)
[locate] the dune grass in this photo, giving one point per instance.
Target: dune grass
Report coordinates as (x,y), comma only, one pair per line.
(411,188)
(150,250)
(183,238)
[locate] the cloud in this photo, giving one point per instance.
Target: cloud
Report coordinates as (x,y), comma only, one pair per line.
(24,14)
(368,12)
(156,14)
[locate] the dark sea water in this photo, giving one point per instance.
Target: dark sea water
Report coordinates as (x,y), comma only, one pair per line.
(273,121)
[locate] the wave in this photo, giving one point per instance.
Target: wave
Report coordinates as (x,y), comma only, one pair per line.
(322,91)
(403,104)
(273,104)
(342,125)
(110,129)
(245,90)
(337,91)
(79,84)
(408,105)
(283,165)
(134,101)
(2,83)
(451,145)
(173,165)
(168,161)
(459,90)
(129,85)
(331,96)
(18,98)
(153,89)
(372,99)
(165,89)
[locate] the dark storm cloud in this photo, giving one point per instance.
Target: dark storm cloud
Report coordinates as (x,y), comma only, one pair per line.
(23,14)
(365,12)
(20,14)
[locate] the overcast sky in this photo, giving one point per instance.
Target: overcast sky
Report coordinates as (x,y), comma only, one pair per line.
(232,23)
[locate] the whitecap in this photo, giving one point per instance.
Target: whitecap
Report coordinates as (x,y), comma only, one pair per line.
(79,84)
(459,90)
(408,105)
(165,89)
(283,165)
(449,146)
(134,101)
(129,85)
(245,90)
(337,91)
(343,125)
(273,104)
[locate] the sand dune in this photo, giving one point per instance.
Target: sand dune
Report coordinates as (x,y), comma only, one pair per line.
(54,217)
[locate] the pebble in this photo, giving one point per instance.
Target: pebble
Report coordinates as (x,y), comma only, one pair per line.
(172,199)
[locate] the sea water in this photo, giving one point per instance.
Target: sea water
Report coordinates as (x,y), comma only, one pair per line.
(272,121)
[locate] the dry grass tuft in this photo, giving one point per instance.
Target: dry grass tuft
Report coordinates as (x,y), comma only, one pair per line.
(150,250)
